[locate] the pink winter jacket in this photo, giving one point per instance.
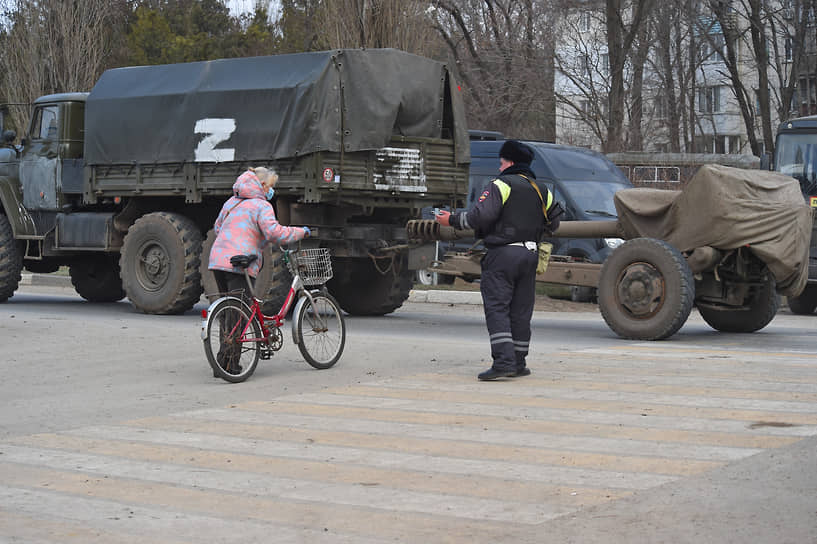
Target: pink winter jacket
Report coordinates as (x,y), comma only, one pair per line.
(245,223)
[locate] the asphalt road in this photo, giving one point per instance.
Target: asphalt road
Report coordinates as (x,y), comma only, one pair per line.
(112,429)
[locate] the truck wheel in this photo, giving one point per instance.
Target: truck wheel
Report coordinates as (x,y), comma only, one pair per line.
(272,283)
(805,302)
(761,308)
(360,289)
(646,290)
(11,260)
(97,279)
(160,263)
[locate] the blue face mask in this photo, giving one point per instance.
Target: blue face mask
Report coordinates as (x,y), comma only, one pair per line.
(270,193)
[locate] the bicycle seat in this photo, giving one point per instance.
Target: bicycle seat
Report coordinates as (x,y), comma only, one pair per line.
(242,261)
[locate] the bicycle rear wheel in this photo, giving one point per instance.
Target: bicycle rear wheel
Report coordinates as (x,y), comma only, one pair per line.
(232,340)
(320,331)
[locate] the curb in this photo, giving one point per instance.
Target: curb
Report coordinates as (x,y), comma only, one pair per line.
(49,280)
(427,296)
(446,297)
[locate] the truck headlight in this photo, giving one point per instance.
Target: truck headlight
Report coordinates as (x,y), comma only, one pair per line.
(613,243)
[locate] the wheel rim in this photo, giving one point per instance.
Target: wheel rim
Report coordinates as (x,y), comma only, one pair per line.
(640,290)
(234,357)
(153,266)
(426,277)
(322,337)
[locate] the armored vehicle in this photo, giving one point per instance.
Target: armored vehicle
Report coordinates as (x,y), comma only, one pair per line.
(123,184)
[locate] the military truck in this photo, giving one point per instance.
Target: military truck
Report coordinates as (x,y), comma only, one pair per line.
(796,155)
(122,184)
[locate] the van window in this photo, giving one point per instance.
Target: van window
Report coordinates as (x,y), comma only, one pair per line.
(579,165)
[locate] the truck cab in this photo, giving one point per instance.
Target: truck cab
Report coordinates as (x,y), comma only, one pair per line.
(796,155)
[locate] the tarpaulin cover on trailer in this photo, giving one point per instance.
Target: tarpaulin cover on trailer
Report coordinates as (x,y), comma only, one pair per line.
(727,208)
(263,108)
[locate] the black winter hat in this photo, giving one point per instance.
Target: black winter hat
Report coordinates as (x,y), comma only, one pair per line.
(516,151)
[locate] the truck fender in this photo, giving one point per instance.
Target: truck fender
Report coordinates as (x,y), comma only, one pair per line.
(11,201)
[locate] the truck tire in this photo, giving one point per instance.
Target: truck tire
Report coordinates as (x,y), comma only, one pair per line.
(96,279)
(646,290)
(361,289)
(11,260)
(805,302)
(272,283)
(762,307)
(160,263)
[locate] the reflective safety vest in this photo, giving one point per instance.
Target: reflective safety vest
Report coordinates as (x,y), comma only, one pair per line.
(522,217)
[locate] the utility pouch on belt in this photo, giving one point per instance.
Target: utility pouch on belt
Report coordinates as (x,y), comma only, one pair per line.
(544,256)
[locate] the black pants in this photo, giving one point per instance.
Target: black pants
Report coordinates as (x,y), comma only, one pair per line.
(230,281)
(229,353)
(508,286)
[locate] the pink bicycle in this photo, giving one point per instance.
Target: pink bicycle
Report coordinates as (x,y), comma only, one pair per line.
(237,334)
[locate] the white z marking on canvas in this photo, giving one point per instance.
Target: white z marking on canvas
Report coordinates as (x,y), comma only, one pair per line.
(217,131)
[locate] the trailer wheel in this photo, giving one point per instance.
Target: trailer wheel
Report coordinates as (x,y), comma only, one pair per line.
(646,290)
(160,263)
(96,279)
(805,302)
(272,283)
(361,289)
(761,308)
(11,260)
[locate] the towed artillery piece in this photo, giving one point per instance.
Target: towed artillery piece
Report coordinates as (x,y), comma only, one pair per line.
(727,244)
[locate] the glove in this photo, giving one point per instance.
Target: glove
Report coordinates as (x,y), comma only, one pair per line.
(307,232)
(443,218)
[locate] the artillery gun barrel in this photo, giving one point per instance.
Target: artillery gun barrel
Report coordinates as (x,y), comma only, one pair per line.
(429,230)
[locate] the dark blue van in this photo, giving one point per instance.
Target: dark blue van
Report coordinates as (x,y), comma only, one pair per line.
(583,180)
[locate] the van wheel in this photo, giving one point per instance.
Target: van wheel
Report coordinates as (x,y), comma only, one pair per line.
(96,279)
(646,290)
(760,308)
(11,260)
(805,302)
(160,263)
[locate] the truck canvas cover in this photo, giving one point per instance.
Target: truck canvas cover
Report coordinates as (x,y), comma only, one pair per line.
(266,108)
(727,208)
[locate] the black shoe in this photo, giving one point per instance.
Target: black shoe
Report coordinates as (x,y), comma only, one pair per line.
(492,374)
(523,372)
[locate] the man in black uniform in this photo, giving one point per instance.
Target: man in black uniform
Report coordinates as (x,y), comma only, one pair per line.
(509,217)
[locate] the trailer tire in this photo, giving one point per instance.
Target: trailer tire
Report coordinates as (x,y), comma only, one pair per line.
(11,260)
(763,306)
(271,285)
(160,263)
(805,302)
(97,279)
(646,290)
(361,289)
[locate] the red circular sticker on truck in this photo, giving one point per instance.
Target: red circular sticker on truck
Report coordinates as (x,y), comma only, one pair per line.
(328,175)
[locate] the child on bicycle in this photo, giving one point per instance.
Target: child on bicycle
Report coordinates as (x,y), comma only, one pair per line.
(245,225)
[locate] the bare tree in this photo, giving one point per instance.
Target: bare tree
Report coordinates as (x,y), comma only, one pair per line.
(401,24)
(54,46)
(624,22)
(503,50)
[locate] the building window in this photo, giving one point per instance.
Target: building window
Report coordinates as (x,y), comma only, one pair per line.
(583,64)
(584,21)
(712,48)
(788,49)
(709,99)
(660,108)
(605,63)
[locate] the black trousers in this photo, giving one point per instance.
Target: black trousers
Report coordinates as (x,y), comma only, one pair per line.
(508,286)
(230,281)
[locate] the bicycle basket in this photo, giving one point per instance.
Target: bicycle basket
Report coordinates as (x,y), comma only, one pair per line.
(314,265)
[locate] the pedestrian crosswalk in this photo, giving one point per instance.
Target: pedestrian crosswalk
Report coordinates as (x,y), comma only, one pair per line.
(427,457)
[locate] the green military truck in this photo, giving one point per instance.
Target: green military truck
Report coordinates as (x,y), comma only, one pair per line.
(122,184)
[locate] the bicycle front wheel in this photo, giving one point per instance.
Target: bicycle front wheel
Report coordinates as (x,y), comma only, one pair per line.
(320,331)
(232,341)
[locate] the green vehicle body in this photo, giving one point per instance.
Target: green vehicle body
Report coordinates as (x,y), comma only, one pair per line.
(64,212)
